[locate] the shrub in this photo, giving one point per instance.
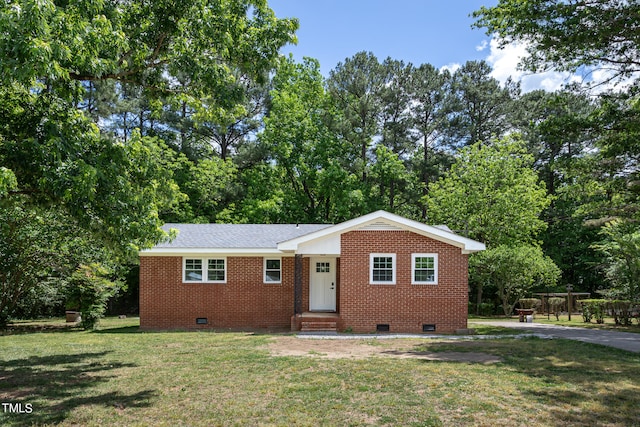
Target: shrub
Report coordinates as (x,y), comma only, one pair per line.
(486,309)
(621,311)
(593,308)
(89,292)
(555,306)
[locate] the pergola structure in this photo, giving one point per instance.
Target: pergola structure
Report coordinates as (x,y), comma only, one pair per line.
(544,296)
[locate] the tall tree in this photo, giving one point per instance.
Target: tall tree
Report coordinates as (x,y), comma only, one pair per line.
(395,105)
(52,151)
(47,49)
(390,176)
(585,36)
(229,130)
(478,106)
(303,147)
(428,88)
(356,86)
(555,129)
(621,248)
(553,124)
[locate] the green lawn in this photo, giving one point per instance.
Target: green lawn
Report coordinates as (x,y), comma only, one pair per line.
(576,320)
(119,376)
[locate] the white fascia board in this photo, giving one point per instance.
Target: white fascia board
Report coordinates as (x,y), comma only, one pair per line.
(211,251)
(467,245)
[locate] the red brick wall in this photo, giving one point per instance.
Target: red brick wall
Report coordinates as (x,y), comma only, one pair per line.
(246,302)
(243,302)
(403,306)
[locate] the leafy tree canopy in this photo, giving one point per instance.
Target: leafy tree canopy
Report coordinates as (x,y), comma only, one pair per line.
(621,249)
(139,41)
(54,152)
(58,153)
(491,194)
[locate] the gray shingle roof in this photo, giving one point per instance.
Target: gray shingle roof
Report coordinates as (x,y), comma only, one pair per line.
(236,236)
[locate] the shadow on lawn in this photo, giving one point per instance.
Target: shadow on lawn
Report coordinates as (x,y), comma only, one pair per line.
(578,383)
(121,330)
(19,329)
(55,385)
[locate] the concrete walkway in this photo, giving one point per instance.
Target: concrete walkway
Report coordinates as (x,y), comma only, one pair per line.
(623,340)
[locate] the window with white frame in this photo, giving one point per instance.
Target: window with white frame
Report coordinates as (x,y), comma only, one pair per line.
(382,269)
(273,270)
(204,270)
(193,270)
(424,269)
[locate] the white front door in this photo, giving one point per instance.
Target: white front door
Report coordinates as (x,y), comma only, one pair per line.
(322,284)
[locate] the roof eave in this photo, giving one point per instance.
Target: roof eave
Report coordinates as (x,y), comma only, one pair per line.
(209,251)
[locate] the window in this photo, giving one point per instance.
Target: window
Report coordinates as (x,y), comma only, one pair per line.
(323,267)
(193,270)
(425,269)
(272,270)
(382,269)
(215,272)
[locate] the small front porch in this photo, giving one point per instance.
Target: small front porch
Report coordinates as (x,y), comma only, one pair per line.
(316,294)
(311,321)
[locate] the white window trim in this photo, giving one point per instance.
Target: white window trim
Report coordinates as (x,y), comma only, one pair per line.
(393,267)
(413,269)
(205,270)
(264,271)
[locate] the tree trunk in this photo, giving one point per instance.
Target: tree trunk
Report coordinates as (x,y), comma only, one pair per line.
(479,299)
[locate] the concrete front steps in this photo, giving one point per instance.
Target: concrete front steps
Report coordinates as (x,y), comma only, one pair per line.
(315,322)
(319,326)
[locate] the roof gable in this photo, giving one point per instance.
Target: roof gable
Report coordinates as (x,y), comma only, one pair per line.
(383,220)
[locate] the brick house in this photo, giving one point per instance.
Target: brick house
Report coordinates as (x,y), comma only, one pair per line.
(378,272)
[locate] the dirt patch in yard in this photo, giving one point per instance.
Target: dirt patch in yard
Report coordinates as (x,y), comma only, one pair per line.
(364,348)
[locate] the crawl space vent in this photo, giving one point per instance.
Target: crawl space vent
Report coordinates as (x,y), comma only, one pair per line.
(201,321)
(382,327)
(428,327)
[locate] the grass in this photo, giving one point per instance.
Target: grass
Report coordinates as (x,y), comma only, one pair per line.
(576,320)
(119,376)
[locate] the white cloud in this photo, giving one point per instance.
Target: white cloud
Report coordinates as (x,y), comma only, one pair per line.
(451,67)
(482,46)
(504,62)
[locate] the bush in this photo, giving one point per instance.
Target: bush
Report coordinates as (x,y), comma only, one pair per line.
(555,306)
(486,309)
(593,308)
(621,311)
(89,292)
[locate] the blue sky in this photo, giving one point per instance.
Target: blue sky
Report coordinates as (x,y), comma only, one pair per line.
(437,32)
(418,31)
